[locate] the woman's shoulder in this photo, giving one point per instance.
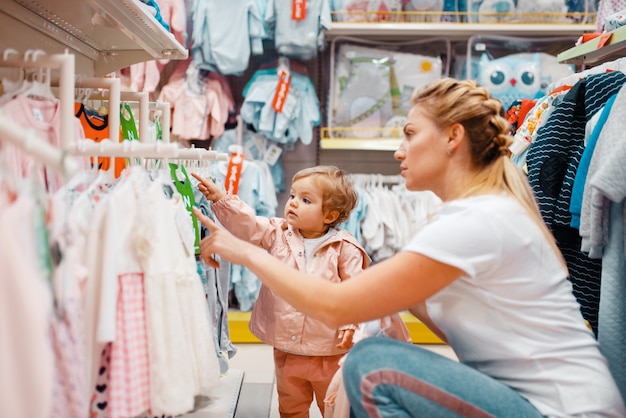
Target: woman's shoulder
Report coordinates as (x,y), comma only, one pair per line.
(482,204)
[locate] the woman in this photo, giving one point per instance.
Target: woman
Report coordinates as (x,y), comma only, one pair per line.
(484,273)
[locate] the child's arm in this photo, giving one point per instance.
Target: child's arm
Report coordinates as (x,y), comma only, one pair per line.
(209,189)
(352,260)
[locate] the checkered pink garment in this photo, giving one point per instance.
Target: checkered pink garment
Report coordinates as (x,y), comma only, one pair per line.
(129,378)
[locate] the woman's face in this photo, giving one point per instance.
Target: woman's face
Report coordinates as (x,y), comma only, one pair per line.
(422,153)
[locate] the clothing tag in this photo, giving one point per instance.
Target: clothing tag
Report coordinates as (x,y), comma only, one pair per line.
(520,143)
(186,192)
(159,128)
(272,153)
(604,39)
(37,114)
(129,133)
(127,122)
(298,9)
(233,172)
(284,82)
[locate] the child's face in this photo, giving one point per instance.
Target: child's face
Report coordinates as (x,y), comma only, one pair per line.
(304,208)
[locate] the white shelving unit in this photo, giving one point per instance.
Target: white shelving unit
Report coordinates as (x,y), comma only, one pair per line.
(104,35)
(594,52)
(421,27)
(453,31)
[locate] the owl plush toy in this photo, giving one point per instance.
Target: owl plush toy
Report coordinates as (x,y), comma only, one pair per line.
(510,78)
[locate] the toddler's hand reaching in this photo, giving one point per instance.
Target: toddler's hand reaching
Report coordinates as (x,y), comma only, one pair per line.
(209,189)
(346,338)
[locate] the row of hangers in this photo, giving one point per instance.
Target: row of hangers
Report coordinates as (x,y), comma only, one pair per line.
(41,85)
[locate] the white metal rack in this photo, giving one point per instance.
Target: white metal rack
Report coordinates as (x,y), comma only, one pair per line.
(453,31)
(93,38)
(411,26)
(32,144)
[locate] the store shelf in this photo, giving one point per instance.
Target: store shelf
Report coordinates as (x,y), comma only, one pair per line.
(369,144)
(371,139)
(591,52)
(453,30)
(456,26)
(105,35)
(240,333)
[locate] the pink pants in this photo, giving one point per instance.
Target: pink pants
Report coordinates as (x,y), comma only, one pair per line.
(298,378)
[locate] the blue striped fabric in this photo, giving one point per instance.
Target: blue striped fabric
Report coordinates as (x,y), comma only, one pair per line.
(554,155)
(553,159)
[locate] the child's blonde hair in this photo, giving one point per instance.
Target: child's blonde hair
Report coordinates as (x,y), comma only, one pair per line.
(337,190)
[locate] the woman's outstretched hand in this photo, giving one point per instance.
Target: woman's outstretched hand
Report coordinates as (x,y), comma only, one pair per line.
(220,242)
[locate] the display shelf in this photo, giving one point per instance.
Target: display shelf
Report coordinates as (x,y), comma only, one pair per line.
(453,31)
(457,26)
(595,50)
(240,333)
(371,139)
(105,35)
(223,400)
(365,144)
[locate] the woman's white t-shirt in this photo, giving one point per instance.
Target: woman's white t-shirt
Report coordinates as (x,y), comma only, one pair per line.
(513,315)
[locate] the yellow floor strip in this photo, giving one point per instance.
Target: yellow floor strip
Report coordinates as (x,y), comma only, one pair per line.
(240,333)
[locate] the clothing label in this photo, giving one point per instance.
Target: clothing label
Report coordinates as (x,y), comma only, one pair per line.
(604,39)
(298,9)
(520,143)
(233,173)
(186,192)
(128,124)
(284,82)
(272,153)
(37,114)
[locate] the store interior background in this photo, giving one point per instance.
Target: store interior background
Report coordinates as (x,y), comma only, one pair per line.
(257,393)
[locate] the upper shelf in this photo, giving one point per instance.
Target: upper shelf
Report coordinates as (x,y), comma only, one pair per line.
(105,35)
(453,31)
(458,26)
(595,50)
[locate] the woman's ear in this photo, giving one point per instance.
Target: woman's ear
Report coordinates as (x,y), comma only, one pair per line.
(331,217)
(456,133)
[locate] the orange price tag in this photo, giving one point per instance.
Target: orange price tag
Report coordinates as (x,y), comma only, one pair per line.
(604,38)
(298,9)
(284,81)
(233,173)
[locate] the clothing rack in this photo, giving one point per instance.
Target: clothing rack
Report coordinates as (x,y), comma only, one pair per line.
(617,65)
(378,179)
(144,113)
(32,144)
(165,108)
(135,149)
(37,58)
(113,85)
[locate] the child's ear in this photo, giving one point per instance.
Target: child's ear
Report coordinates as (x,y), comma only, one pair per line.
(331,216)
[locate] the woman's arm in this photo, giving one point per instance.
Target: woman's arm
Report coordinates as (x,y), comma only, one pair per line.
(383,289)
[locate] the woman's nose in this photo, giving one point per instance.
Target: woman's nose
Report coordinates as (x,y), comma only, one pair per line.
(399,153)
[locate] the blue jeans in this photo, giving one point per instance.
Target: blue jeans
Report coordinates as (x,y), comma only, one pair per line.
(388,378)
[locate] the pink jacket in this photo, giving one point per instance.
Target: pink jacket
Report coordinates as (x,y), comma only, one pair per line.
(273,320)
